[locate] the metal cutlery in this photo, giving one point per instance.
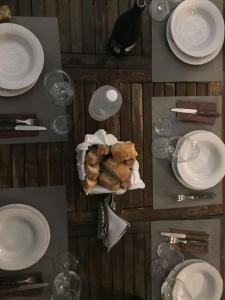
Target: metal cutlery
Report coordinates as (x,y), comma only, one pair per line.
(196,112)
(194,197)
(186,236)
(11,127)
(16,283)
(29,122)
(25,287)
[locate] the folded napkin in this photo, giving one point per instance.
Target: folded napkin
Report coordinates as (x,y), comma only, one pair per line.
(202,106)
(111,227)
(11,134)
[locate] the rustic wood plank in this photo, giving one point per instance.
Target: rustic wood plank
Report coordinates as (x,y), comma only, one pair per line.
(83,253)
(169,89)
(201,89)
(129,273)
(24,7)
(159,89)
(18,161)
(88,26)
(101,26)
(147,159)
(106,275)
(146,33)
(76,26)
(79,134)
(56,164)
(126,130)
(180,89)
(37,7)
(50,8)
(137,123)
(31,165)
(117,270)
(6,166)
(214,89)
(139,258)
(191,89)
(43,164)
(13,5)
(64,25)
(95,268)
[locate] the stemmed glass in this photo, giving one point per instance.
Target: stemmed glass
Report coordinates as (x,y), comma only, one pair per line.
(159,9)
(62,124)
(67,284)
(59,87)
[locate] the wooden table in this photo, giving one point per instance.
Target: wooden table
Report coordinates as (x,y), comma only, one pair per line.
(85,26)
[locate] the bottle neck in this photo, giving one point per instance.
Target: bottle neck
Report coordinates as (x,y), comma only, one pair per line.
(139,6)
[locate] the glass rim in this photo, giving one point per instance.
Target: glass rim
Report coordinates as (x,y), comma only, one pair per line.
(59,71)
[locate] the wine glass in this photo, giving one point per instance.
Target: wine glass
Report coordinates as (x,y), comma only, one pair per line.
(162,126)
(59,87)
(62,124)
(170,254)
(67,284)
(163,147)
(159,9)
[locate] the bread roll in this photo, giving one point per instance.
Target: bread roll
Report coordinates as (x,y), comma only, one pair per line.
(92,171)
(103,150)
(92,158)
(89,184)
(120,170)
(124,151)
(109,181)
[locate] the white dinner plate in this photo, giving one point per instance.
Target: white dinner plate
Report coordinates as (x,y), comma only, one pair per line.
(24,236)
(183,56)
(197,27)
(13,93)
(208,168)
(201,280)
(21,57)
(164,289)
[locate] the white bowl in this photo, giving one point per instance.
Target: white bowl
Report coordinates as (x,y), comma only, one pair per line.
(183,56)
(24,236)
(197,27)
(201,281)
(208,168)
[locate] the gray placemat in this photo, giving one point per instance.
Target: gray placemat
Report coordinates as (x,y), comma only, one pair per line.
(37,101)
(211,226)
(166,67)
(51,202)
(165,184)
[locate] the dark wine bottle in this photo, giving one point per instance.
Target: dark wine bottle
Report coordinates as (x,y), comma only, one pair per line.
(127,29)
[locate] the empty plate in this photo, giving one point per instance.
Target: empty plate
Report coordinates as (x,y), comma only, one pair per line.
(197,27)
(24,236)
(208,168)
(198,281)
(13,93)
(21,57)
(183,56)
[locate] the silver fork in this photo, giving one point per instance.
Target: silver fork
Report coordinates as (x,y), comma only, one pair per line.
(29,280)
(206,196)
(16,283)
(29,122)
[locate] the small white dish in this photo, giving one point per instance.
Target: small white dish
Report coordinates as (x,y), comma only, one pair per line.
(197,27)
(164,288)
(208,168)
(24,236)
(201,281)
(21,57)
(183,56)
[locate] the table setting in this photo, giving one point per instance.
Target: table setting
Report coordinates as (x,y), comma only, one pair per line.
(190,37)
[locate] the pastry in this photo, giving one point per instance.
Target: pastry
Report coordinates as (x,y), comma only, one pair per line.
(5,13)
(109,181)
(103,150)
(92,158)
(120,170)
(89,184)
(123,151)
(130,163)
(92,171)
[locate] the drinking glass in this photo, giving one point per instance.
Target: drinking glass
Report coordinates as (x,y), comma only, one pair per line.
(159,9)
(59,87)
(163,147)
(162,126)
(160,268)
(62,124)
(67,284)
(170,254)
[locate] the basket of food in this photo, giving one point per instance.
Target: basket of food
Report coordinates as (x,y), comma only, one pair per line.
(106,165)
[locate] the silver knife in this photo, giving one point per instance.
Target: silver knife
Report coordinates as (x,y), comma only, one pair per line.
(196,112)
(11,127)
(190,236)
